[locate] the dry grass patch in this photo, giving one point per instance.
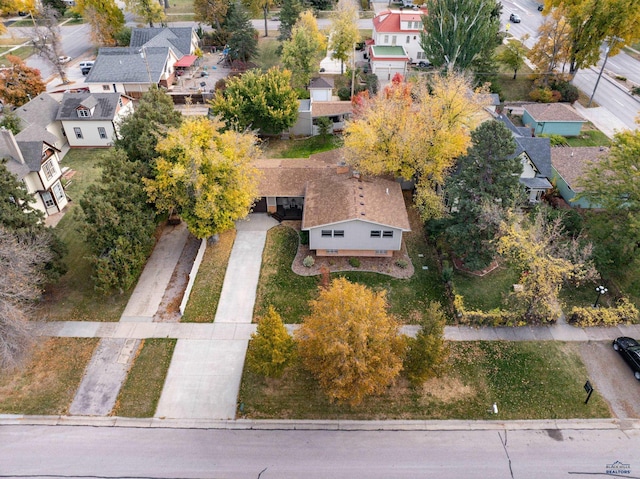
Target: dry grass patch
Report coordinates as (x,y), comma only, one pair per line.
(47,384)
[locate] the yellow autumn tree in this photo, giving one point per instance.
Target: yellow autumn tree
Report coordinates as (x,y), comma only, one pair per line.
(271,347)
(415,130)
(205,175)
(553,47)
(350,343)
(307,21)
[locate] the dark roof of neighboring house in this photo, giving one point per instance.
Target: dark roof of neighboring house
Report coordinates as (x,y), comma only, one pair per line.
(128,65)
(552,112)
(337,199)
(331,108)
(30,143)
(105,105)
(571,163)
(42,110)
(176,38)
(538,149)
(321,82)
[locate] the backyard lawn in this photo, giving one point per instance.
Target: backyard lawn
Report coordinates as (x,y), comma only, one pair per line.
(527,380)
(301,148)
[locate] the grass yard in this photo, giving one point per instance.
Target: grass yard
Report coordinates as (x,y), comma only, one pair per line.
(141,391)
(301,148)
(487,292)
(180,6)
(278,284)
(22,52)
(205,294)
(48,382)
(73,297)
(527,380)
(590,136)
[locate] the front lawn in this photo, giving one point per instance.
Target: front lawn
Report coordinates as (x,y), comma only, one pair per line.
(203,301)
(487,292)
(48,382)
(73,297)
(141,391)
(527,380)
(589,136)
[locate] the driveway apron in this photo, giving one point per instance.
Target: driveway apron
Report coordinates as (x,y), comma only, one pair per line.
(203,380)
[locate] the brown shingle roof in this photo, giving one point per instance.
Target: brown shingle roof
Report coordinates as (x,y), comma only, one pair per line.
(572,162)
(342,198)
(330,108)
(552,112)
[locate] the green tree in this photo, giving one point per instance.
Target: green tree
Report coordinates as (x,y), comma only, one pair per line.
(205,175)
(117,223)
(289,12)
(344,31)
(264,6)
(513,56)
(11,122)
(243,42)
(427,352)
(613,184)
(485,186)
(350,343)
(104,17)
(149,11)
(456,32)
(262,101)
(553,45)
(300,54)
(595,21)
(139,132)
(271,347)
(211,12)
(19,83)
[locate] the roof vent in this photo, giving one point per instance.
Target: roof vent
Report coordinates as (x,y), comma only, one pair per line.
(362,213)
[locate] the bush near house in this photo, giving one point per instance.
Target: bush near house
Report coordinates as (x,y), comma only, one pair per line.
(623,313)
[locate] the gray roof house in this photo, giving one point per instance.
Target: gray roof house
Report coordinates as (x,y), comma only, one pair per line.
(42,112)
(130,70)
(33,159)
(92,119)
(182,40)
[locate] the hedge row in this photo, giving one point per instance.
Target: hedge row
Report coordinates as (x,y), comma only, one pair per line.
(624,312)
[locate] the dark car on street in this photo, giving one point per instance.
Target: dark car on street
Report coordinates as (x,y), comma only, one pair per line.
(514,18)
(629,349)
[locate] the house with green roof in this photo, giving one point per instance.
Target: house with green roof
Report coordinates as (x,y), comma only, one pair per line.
(387,60)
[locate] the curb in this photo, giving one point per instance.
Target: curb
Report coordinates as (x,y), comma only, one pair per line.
(320,425)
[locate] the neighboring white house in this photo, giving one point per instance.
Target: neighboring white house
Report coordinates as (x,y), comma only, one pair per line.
(32,158)
(386,61)
(352,216)
(400,28)
(92,119)
(42,111)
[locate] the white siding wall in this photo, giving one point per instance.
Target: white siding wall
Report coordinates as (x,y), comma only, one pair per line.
(90,134)
(527,170)
(56,129)
(304,125)
(320,94)
(357,236)
(386,69)
(100,87)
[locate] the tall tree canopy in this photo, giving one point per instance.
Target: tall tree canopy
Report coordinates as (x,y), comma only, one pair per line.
(350,343)
(205,175)
(271,347)
(149,11)
(344,31)
(139,132)
(513,56)
(19,83)
(211,12)
(594,21)
(456,32)
(46,39)
(289,12)
(301,55)
(262,101)
(414,131)
(485,186)
(553,47)
(104,17)
(243,42)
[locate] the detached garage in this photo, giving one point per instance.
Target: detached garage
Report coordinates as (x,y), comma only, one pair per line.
(386,61)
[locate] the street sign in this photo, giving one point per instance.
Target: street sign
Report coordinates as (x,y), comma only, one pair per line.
(589,389)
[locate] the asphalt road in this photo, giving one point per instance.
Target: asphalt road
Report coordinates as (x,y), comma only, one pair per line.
(43,451)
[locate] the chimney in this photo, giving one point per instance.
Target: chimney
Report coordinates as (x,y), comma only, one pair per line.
(11,145)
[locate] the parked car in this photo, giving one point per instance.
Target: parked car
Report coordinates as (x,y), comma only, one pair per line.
(204,74)
(540,7)
(629,349)
(514,18)
(64,59)
(423,63)
(85,67)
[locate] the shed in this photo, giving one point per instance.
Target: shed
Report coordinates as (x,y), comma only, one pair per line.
(552,119)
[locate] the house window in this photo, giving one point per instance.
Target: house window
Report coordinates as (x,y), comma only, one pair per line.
(49,170)
(58,191)
(393,40)
(386,39)
(47,199)
(381,251)
(102,132)
(376,233)
(83,113)
(106,88)
(120,104)
(387,234)
(331,251)
(421,56)
(78,133)
(338,233)
(326,233)
(408,38)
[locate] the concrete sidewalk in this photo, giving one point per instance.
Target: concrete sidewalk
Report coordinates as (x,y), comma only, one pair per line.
(603,119)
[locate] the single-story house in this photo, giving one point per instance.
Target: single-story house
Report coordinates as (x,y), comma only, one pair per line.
(388,60)
(42,111)
(552,119)
(310,111)
(92,119)
(32,157)
(347,215)
(321,89)
(182,40)
(568,164)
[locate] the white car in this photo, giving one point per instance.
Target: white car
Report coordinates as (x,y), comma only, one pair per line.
(64,59)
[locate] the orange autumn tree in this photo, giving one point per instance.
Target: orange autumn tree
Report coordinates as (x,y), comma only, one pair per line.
(415,130)
(19,83)
(350,343)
